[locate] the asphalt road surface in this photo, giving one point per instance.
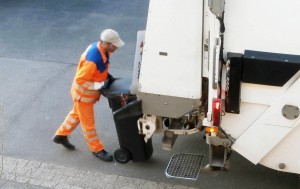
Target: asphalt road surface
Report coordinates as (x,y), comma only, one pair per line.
(40,44)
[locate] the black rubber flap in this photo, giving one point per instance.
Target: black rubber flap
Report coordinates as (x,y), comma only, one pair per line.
(269,68)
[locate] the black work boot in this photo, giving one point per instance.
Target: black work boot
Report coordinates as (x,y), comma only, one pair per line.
(63,140)
(103,155)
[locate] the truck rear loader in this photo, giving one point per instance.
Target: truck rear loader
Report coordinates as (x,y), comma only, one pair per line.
(226,67)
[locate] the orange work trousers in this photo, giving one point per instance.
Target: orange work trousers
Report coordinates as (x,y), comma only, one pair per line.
(82,113)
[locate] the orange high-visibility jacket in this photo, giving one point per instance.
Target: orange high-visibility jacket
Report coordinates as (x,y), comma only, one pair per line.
(93,66)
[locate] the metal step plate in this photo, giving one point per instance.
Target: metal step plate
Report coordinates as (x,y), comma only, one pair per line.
(184,166)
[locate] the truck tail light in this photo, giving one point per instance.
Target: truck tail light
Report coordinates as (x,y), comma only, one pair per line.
(216,113)
(211,129)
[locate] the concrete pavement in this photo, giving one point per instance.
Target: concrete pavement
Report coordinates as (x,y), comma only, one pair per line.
(21,173)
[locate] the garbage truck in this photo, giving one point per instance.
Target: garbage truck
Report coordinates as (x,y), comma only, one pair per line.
(228,68)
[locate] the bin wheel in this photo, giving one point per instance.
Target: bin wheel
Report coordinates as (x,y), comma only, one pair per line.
(122,155)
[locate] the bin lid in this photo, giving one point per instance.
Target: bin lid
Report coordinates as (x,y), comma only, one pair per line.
(119,86)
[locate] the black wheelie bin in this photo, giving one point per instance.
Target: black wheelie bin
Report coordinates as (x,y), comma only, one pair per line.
(126,111)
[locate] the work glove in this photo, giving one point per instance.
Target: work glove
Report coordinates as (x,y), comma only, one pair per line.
(107,83)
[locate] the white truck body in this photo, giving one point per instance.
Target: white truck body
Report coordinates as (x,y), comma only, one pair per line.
(181,50)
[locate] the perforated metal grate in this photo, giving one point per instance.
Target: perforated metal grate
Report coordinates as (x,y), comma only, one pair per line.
(185,166)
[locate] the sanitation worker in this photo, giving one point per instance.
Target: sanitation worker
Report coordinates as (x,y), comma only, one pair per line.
(91,75)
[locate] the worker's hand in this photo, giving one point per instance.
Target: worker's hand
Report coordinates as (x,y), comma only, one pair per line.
(107,83)
(98,85)
(110,78)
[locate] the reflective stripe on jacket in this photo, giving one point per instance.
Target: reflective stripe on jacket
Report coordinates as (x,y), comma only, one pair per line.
(93,66)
